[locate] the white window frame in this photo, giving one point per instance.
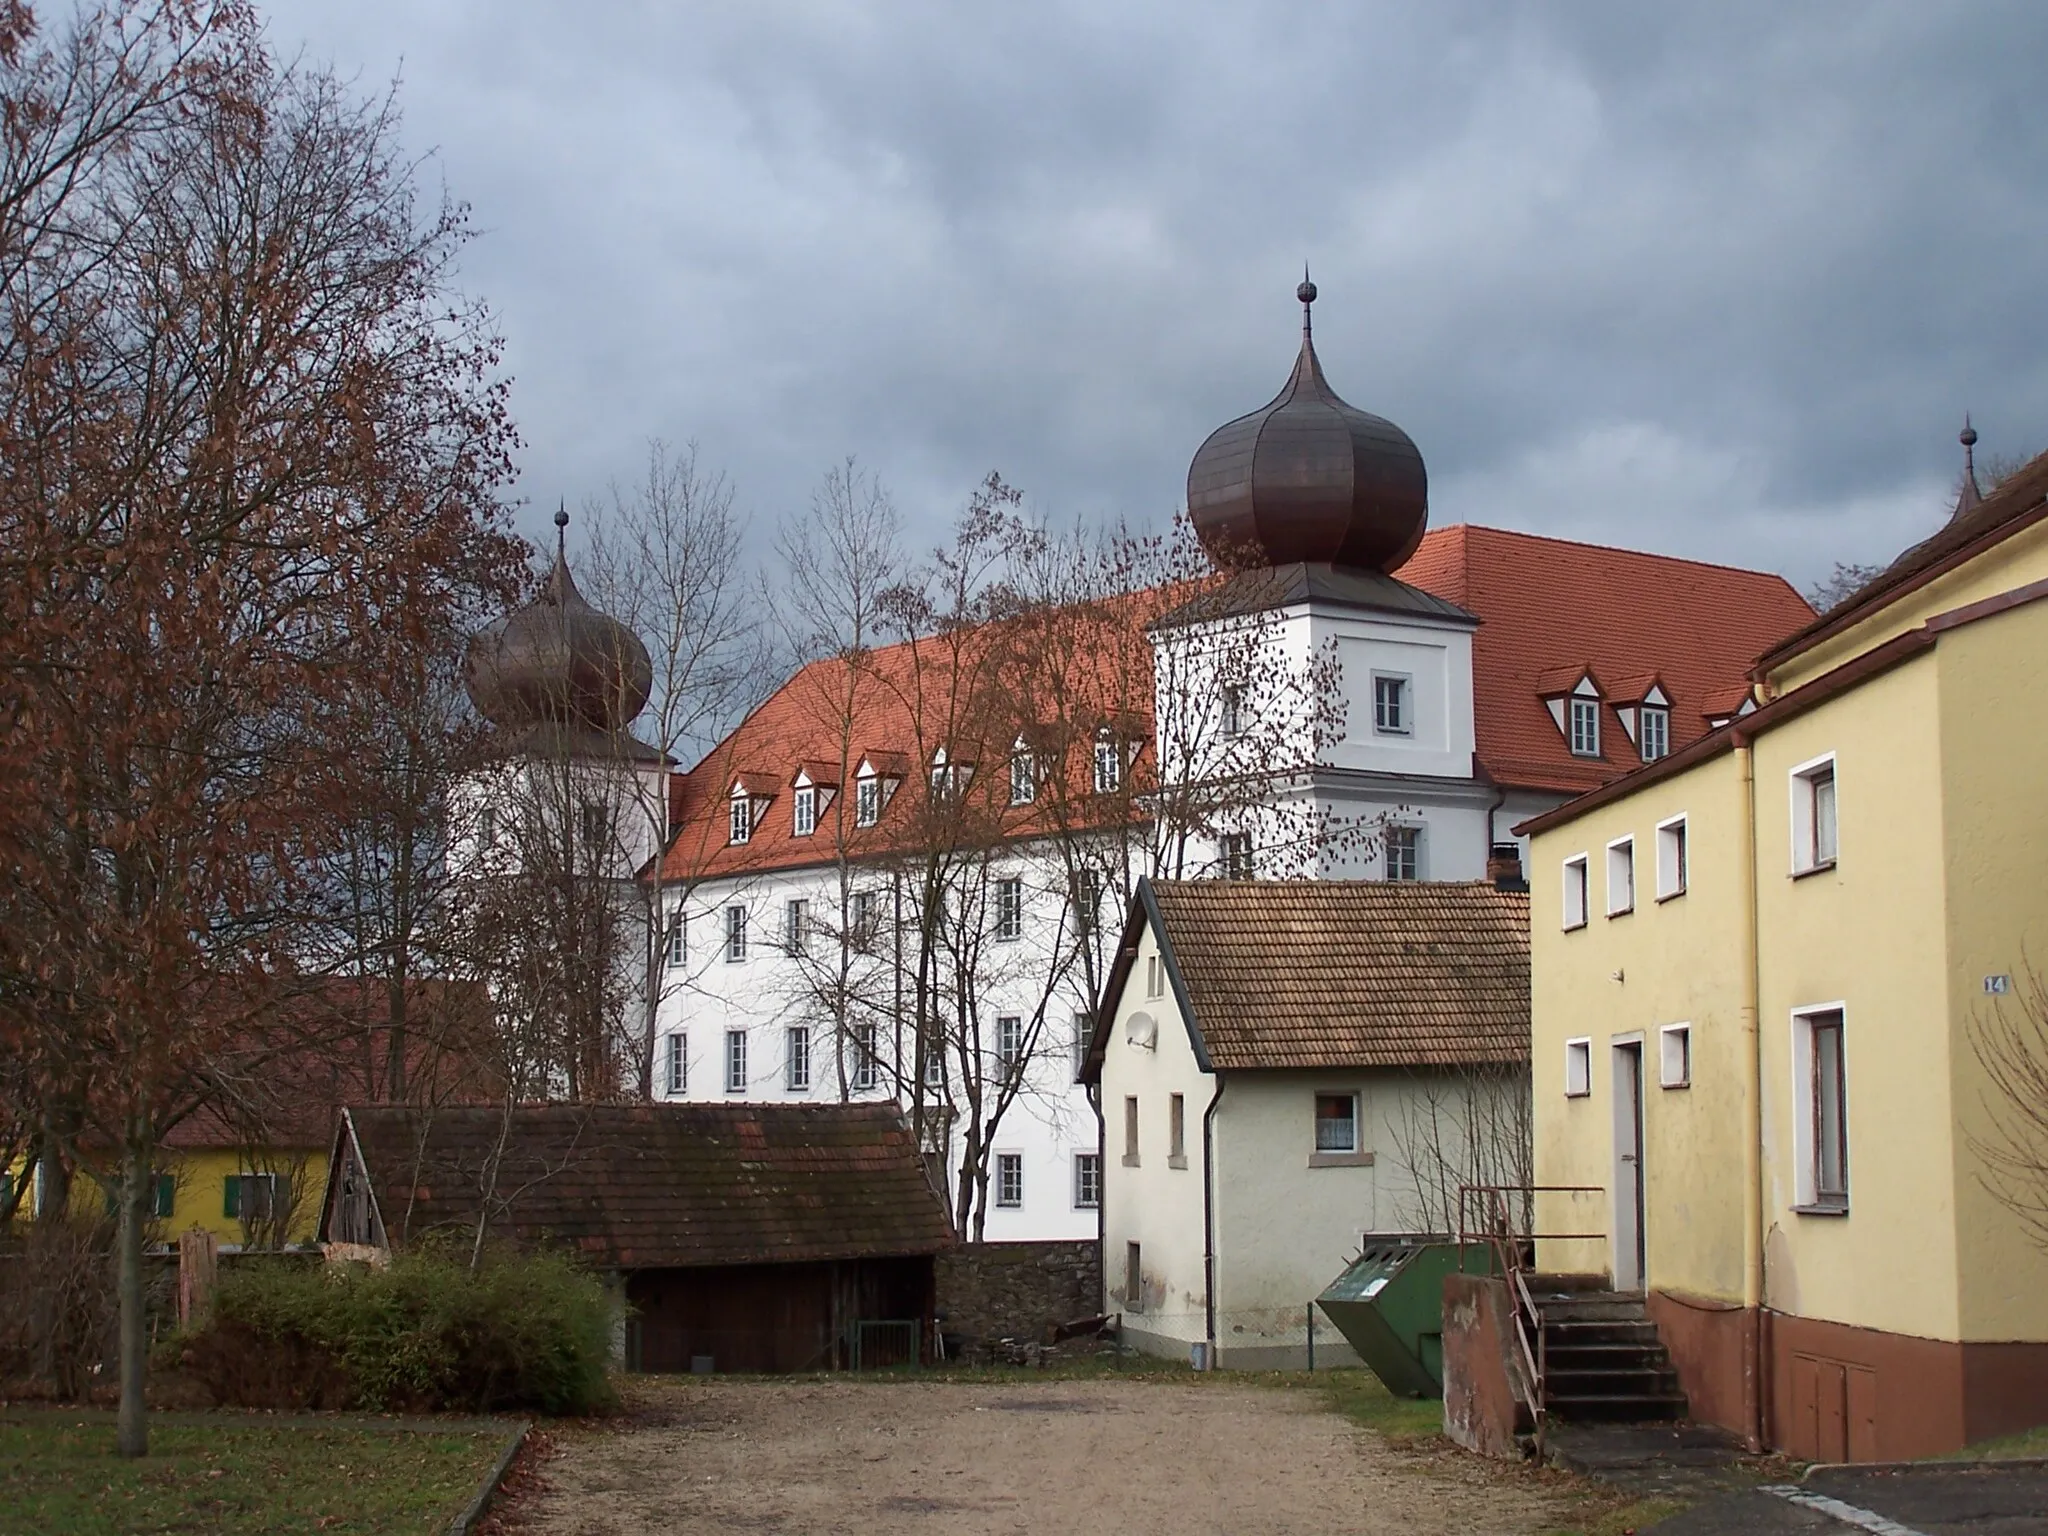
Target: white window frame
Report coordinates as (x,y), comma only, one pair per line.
(1674,1056)
(1582,709)
(1413,837)
(1087,901)
(935,1065)
(1009,1167)
(1239,858)
(735,934)
(1009,910)
(1232,724)
(796,1058)
(1009,1045)
(1131,1130)
(735,1061)
(867,1065)
(1084,1032)
(796,925)
(1023,778)
(1316,1128)
(1155,976)
(594,829)
(1578,1067)
(1109,765)
(1578,894)
(1400,720)
(1087,1181)
(1661,714)
(803,811)
(676,1064)
(740,821)
(1674,856)
(1806,1130)
(1806,820)
(676,947)
(1621,876)
(867,800)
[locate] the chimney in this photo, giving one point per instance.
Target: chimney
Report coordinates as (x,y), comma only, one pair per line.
(1504,867)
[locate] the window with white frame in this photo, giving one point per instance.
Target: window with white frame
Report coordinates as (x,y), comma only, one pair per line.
(1671,857)
(1674,1056)
(1813,815)
(1009,1045)
(935,1066)
(594,829)
(677,1063)
(1087,1181)
(1336,1122)
(1585,727)
(1404,853)
(677,945)
(796,925)
(735,1061)
(1155,976)
(1109,765)
(735,933)
(1009,909)
(1134,1278)
(1578,1068)
(1575,891)
(1087,900)
(796,1058)
(1084,1029)
(1131,1130)
(1621,876)
(943,780)
(867,801)
(804,811)
(1023,778)
(1655,732)
(1390,710)
(867,1067)
(1821,1106)
(740,828)
(1009,1180)
(1177,1131)
(1233,711)
(1237,856)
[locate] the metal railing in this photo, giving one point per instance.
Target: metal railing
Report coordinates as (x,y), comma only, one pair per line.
(1503,1216)
(877,1344)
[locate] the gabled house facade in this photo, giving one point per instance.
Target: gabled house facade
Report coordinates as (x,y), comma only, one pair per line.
(1773,975)
(1287,1070)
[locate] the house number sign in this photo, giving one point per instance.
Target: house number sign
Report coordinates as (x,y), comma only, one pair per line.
(1997,986)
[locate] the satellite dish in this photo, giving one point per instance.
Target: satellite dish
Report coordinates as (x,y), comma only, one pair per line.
(1142,1031)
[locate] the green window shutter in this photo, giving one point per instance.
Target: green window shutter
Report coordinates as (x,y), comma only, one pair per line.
(166,1195)
(231,1195)
(113,1204)
(6,1191)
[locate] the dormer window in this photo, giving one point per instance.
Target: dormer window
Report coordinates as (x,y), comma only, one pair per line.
(1654,734)
(804,811)
(1023,777)
(1109,765)
(867,801)
(1585,726)
(741,828)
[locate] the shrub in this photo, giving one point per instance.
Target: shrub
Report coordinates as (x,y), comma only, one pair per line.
(427,1333)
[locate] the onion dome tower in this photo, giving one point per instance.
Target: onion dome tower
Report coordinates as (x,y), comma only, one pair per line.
(1968,494)
(1308,478)
(558,662)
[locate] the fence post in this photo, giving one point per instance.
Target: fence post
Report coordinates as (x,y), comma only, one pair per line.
(1311,1310)
(198,1270)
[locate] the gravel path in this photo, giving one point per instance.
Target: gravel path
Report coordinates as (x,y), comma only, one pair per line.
(946,1459)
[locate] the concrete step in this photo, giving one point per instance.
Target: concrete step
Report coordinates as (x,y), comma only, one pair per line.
(1637,1381)
(1616,1407)
(1590,1331)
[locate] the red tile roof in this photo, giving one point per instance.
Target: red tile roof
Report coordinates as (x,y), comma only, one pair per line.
(1547,604)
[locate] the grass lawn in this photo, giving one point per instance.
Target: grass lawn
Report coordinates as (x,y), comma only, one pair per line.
(59,1476)
(2027,1445)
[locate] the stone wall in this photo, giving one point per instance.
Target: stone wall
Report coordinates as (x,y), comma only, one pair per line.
(990,1291)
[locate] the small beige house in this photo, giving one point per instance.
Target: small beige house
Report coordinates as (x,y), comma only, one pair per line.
(1285,1070)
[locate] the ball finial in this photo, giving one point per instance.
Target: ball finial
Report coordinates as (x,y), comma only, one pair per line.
(1968,436)
(1307,291)
(561,517)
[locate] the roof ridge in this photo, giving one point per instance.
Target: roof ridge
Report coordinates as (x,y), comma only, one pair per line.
(1618,549)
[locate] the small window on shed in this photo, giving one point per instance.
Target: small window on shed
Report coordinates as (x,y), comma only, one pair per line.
(1575,891)
(1674,1043)
(1621,876)
(1578,1068)
(1671,853)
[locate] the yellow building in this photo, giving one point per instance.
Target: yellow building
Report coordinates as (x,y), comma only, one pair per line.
(248,1197)
(1764,973)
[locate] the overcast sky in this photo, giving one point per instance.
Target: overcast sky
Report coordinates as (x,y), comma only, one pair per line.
(1713,279)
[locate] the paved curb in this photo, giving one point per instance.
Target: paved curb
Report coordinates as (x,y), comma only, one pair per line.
(472,1512)
(1976,1464)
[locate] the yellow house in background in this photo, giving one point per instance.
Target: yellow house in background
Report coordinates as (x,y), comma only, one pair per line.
(1762,972)
(248,1197)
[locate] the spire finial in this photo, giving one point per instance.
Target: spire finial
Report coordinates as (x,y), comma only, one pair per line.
(1307,294)
(1968,494)
(561,530)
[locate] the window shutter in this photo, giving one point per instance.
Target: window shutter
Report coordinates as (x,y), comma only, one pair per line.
(166,1194)
(231,1195)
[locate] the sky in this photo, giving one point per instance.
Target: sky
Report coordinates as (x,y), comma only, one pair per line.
(1715,279)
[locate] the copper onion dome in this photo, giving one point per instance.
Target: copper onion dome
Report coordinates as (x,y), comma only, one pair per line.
(1309,478)
(558,661)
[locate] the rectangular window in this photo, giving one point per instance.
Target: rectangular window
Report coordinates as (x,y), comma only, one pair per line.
(1009,1046)
(677,945)
(1237,856)
(740,826)
(1655,731)
(1009,909)
(735,933)
(1404,853)
(163,1196)
(593,826)
(1155,977)
(735,1061)
(1109,766)
(867,1070)
(1009,1180)
(1087,1181)
(1578,1068)
(1674,1056)
(867,802)
(1585,719)
(1023,779)
(1813,816)
(796,1058)
(935,1066)
(804,811)
(1390,705)
(1822,1093)
(487,827)
(253,1196)
(1621,876)
(942,782)
(796,925)
(1177,1131)
(1134,1279)
(861,918)
(1233,712)
(678,1063)
(1084,1028)
(1575,891)
(1671,858)
(1336,1122)
(1131,1131)
(1087,901)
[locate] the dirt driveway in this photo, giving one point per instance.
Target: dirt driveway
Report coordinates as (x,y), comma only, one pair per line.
(944,1459)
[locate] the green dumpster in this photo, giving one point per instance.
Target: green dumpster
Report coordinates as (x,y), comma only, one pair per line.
(1389,1305)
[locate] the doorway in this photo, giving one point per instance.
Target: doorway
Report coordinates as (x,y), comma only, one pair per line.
(1629,1252)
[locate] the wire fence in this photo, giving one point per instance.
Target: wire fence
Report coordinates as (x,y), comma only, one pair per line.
(1291,1336)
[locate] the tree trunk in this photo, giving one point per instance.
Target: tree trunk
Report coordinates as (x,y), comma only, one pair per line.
(132,1431)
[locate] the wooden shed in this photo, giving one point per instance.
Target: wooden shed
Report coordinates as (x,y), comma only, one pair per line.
(746,1237)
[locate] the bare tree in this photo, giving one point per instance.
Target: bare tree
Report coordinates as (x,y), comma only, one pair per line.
(2010,1041)
(1458,1126)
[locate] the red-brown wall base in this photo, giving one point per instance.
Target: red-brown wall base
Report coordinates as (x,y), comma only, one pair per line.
(1482,1410)
(1712,1346)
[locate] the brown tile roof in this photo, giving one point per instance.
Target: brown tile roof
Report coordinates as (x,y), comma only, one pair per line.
(652,1186)
(1335,973)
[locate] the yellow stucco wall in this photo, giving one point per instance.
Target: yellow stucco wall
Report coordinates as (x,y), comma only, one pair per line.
(199,1198)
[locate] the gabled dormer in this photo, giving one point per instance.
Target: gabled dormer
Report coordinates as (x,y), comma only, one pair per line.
(1728,705)
(875,783)
(949,775)
(811,791)
(1643,706)
(750,797)
(1574,698)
